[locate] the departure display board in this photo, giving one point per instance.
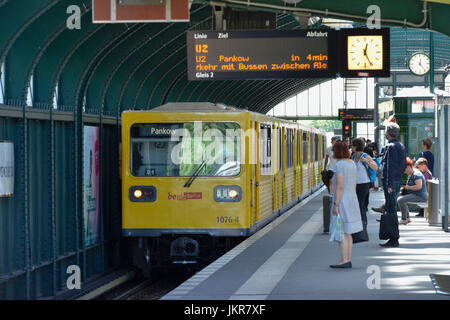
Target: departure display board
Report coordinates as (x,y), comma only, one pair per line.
(281,54)
(235,55)
(356,114)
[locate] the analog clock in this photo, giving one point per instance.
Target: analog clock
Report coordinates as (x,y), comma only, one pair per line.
(365,52)
(419,64)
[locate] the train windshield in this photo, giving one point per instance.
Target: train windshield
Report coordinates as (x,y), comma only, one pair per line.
(178,149)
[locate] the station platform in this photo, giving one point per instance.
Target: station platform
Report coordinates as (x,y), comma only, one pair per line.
(289,260)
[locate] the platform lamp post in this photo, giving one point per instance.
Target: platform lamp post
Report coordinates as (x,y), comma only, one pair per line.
(431,62)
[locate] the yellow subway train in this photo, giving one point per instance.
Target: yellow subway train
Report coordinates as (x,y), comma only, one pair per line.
(199,177)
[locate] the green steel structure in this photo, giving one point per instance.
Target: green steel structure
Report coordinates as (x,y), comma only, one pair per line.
(86,77)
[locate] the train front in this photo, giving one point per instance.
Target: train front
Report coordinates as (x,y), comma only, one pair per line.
(183,185)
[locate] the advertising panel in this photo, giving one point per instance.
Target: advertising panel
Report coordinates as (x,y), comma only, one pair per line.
(6,168)
(91,185)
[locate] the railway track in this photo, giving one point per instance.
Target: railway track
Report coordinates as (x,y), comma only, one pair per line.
(140,288)
(129,294)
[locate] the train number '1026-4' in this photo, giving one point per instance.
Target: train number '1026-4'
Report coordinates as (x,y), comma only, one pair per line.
(227,219)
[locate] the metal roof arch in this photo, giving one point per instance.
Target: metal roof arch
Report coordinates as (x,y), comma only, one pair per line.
(28,49)
(160,64)
(100,71)
(167,81)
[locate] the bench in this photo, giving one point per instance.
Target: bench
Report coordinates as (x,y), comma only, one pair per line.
(422,205)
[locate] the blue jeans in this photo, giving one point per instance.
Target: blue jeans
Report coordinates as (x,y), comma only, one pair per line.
(403,203)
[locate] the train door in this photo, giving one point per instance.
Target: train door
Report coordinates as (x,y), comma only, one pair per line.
(274,169)
(311,161)
(321,155)
(299,162)
(283,166)
(296,183)
(305,163)
(316,159)
(319,150)
(278,168)
(265,193)
(254,170)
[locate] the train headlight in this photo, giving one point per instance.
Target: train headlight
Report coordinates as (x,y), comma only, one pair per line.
(137,193)
(233,194)
(227,193)
(142,194)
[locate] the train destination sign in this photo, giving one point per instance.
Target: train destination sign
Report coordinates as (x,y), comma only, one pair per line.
(355,114)
(260,54)
(281,54)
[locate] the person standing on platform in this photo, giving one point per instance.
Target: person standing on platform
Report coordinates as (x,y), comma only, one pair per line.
(394,164)
(362,161)
(427,154)
(367,148)
(345,201)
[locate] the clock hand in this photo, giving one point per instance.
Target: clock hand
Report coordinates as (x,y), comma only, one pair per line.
(365,50)
(365,54)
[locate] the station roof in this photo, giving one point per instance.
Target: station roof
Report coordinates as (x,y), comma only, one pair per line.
(114,67)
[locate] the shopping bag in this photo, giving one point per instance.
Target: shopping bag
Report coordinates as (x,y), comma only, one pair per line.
(336,229)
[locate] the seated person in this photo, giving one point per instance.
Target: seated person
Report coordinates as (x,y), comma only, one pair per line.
(422,165)
(414,191)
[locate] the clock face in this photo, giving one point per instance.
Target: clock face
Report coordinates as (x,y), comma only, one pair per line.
(419,64)
(365,52)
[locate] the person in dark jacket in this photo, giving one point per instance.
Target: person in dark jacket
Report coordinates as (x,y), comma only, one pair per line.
(394,164)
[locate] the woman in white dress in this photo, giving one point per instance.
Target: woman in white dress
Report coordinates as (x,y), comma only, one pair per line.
(345,201)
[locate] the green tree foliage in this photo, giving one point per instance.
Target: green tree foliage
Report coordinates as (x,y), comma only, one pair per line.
(324,125)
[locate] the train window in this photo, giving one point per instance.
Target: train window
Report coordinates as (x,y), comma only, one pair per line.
(305,148)
(289,148)
(265,149)
(316,147)
(178,149)
(298,147)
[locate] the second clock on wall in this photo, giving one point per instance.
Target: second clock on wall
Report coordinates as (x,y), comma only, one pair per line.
(419,64)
